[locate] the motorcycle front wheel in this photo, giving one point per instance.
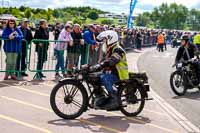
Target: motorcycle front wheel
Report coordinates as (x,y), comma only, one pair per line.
(69,100)
(131,100)
(177,83)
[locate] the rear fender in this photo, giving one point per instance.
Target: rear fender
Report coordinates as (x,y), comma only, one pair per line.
(138,84)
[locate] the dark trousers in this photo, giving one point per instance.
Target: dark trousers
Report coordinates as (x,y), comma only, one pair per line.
(41,60)
(21,62)
(165,45)
(139,45)
(93,57)
(160,47)
(197,69)
(198,46)
(0,43)
(84,54)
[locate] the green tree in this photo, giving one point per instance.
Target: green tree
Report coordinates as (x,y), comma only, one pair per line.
(171,16)
(93,15)
(22,8)
(77,21)
(56,13)
(27,13)
(107,21)
(143,19)
(15,12)
(48,14)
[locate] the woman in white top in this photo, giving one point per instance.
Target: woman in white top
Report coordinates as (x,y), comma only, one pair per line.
(64,39)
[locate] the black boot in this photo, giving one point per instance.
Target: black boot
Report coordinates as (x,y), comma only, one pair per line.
(113,102)
(100,99)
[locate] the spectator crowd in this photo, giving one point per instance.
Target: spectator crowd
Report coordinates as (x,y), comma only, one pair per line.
(79,41)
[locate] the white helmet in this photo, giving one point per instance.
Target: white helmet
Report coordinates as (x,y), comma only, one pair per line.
(111,36)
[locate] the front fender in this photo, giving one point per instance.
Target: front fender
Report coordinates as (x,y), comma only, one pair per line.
(66,80)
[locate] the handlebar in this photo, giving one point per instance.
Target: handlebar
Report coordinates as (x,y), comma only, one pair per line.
(185,62)
(83,70)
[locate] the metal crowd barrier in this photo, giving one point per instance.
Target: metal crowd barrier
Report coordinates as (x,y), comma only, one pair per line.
(44,58)
(41,56)
(11,58)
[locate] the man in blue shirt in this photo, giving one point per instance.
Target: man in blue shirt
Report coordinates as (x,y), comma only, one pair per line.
(90,39)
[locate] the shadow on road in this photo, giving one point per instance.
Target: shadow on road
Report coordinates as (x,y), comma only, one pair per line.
(190,95)
(120,123)
(5,83)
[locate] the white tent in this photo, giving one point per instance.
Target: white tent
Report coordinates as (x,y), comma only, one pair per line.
(7,17)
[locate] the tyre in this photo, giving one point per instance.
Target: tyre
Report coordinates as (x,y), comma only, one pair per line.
(199,88)
(131,100)
(176,83)
(69,100)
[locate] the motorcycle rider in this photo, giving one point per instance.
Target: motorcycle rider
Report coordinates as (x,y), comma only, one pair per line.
(114,65)
(187,52)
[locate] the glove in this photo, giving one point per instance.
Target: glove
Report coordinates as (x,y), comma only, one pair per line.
(95,68)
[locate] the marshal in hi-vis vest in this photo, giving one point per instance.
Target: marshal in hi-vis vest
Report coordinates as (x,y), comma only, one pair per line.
(122,66)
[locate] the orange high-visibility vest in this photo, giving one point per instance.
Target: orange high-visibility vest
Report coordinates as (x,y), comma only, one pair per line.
(161,39)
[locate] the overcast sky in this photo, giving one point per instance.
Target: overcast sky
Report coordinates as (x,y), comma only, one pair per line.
(116,6)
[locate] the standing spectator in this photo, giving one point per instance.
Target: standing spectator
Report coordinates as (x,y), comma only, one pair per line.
(74,51)
(165,41)
(41,47)
(139,40)
(84,49)
(56,34)
(57,31)
(90,39)
(197,40)
(3,26)
(21,59)
(161,41)
(98,30)
(100,55)
(12,47)
(65,38)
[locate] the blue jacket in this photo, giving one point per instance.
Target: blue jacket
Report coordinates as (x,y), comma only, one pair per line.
(12,46)
(88,37)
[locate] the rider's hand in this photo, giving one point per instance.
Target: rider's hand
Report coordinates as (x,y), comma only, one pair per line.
(95,68)
(85,67)
(194,59)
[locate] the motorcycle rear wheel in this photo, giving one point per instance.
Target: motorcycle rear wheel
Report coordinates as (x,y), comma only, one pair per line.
(132,100)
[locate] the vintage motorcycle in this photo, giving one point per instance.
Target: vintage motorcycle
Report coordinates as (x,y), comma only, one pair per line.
(73,96)
(184,77)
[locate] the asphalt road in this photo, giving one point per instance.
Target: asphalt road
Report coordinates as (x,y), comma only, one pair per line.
(158,66)
(25,108)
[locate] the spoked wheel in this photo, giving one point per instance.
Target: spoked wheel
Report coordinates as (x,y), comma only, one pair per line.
(132,101)
(176,83)
(68,100)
